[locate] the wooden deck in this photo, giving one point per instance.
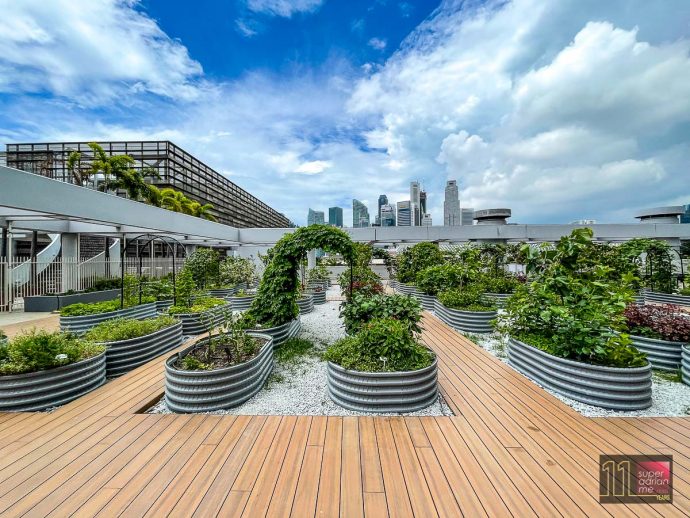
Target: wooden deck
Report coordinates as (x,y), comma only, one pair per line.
(511,449)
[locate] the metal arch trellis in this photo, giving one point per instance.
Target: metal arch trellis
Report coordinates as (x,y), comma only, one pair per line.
(151,238)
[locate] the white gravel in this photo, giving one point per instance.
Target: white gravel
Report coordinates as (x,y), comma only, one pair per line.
(300,388)
(669,398)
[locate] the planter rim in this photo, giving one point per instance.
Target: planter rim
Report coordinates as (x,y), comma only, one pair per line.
(387,374)
(491,311)
(150,335)
(659,340)
(263,329)
(61,368)
(592,366)
(67,318)
(223,370)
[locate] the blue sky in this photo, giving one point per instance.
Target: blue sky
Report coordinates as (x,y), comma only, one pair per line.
(558,109)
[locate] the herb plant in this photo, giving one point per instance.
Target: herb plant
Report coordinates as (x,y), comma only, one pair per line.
(470,298)
(363,309)
(127,328)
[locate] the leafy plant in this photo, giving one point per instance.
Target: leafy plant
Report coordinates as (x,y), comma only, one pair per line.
(184,287)
(665,322)
(204,265)
(38,350)
(416,258)
(499,282)
(94,308)
(470,298)
(442,277)
(198,305)
(362,309)
(127,328)
(236,270)
(364,281)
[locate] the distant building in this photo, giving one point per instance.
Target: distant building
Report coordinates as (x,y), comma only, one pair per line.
(315,217)
(404,214)
(451,205)
(360,214)
(467,216)
(422,202)
(335,217)
(584,222)
(414,204)
(377,221)
(685,217)
(426,220)
(387,215)
(383,200)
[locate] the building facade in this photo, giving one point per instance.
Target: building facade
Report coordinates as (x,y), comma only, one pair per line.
(415,216)
(335,216)
(426,220)
(360,214)
(315,217)
(451,205)
(383,200)
(467,216)
(404,214)
(177,169)
(387,215)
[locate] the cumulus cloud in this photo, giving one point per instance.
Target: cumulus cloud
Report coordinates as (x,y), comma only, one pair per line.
(377,43)
(284,8)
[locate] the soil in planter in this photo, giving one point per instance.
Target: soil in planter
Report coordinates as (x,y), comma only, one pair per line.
(225,354)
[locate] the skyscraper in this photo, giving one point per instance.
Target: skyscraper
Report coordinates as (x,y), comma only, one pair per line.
(387,215)
(404,213)
(451,205)
(315,217)
(383,199)
(415,218)
(426,220)
(422,202)
(335,216)
(360,214)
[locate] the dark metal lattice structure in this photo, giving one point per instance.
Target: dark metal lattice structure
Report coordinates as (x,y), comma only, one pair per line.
(177,169)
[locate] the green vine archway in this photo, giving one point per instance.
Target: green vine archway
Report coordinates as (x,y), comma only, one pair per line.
(276,300)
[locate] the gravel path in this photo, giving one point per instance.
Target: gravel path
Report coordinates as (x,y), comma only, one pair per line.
(669,398)
(300,388)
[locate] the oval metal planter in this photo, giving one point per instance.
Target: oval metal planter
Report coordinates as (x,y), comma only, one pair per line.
(406,289)
(468,321)
(206,391)
(662,354)
(606,387)
(428,301)
(241,303)
(81,324)
(163,305)
(318,297)
(666,298)
(407,391)
(197,323)
(40,390)
(685,364)
(498,298)
(281,333)
(124,355)
(305,304)
(223,292)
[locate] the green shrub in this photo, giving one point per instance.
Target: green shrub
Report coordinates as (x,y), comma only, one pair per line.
(384,345)
(499,282)
(127,328)
(318,273)
(684,291)
(95,308)
(362,309)
(416,258)
(236,270)
(364,282)
(198,305)
(470,298)
(38,350)
(442,277)
(204,266)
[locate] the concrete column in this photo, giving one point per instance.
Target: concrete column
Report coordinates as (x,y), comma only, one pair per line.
(311,259)
(70,261)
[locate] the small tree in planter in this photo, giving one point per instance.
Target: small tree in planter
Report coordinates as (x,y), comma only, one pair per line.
(204,266)
(237,270)
(416,258)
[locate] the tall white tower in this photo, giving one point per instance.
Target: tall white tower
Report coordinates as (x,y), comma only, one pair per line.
(415,209)
(451,205)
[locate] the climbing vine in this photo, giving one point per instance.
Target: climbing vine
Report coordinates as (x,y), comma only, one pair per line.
(276,300)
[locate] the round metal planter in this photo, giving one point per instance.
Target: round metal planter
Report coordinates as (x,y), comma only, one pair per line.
(606,387)
(222,292)
(81,324)
(206,391)
(163,305)
(241,303)
(662,354)
(281,333)
(383,391)
(306,304)
(498,298)
(198,323)
(666,298)
(318,297)
(685,364)
(125,355)
(40,390)
(468,321)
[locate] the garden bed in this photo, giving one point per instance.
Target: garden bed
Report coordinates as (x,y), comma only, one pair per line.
(40,303)
(198,323)
(498,298)
(666,298)
(685,364)
(305,304)
(163,305)
(81,324)
(662,354)
(282,332)
(240,303)
(318,297)
(469,321)
(223,292)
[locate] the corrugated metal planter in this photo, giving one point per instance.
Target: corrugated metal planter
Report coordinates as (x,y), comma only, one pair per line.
(198,323)
(666,298)
(223,292)
(306,304)
(55,302)
(81,324)
(468,321)
(383,391)
(241,303)
(428,301)
(35,391)
(163,305)
(318,297)
(125,355)
(662,354)
(406,289)
(685,364)
(393,283)
(498,298)
(206,391)
(606,387)
(280,333)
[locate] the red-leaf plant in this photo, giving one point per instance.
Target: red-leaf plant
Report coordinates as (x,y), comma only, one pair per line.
(664,322)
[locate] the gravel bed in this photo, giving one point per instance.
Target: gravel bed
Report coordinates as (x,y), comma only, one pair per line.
(669,398)
(299,388)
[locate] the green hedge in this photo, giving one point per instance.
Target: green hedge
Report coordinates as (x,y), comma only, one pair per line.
(128,328)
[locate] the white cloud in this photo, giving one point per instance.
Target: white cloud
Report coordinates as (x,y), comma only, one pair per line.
(93,51)
(377,43)
(246,27)
(284,8)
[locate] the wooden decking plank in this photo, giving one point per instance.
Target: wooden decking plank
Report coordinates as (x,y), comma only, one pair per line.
(375,505)
(351,498)
(397,497)
(328,502)
(307,492)
(439,488)
(372,476)
(317,432)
